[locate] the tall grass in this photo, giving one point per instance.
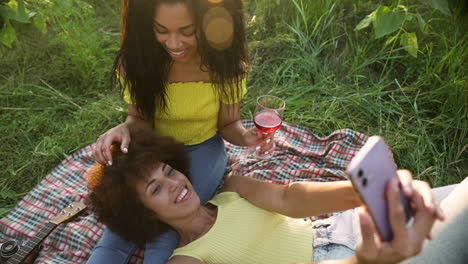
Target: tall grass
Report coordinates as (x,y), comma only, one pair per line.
(334,77)
(55,95)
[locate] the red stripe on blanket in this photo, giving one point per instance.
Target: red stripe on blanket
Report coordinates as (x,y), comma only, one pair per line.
(74,165)
(343,153)
(88,228)
(35,206)
(66,190)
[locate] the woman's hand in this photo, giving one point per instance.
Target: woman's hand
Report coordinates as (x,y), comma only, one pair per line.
(232,130)
(119,134)
(264,143)
(408,240)
(409,186)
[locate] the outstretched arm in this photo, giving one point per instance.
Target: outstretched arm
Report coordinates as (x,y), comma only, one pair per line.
(407,241)
(298,199)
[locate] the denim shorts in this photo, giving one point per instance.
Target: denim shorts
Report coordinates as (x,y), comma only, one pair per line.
(337,236)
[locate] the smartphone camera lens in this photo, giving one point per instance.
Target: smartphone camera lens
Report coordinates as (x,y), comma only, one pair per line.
(360,173)
(364,182)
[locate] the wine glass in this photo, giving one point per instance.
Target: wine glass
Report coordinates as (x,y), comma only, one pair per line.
(267,118)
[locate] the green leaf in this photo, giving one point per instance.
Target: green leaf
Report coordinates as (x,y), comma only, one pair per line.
(441,5)
(409,41)
(387,21)
(365,22)
(422,23)
(7,35)
(19,14)
(410,17)
(390,40)
(40,23)
(402,7)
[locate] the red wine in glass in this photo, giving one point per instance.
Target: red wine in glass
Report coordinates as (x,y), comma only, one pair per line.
(267,121)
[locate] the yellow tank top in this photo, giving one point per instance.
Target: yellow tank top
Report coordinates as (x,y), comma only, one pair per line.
(244,233)
(192,111)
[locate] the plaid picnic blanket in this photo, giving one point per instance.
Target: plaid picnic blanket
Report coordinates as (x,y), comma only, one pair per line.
(299,156)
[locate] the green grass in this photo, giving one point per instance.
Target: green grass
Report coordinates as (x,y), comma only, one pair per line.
(55,94)
(334,77)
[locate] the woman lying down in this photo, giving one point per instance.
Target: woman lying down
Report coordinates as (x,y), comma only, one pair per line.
(147,191)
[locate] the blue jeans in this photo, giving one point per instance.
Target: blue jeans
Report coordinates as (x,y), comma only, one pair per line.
(207,165)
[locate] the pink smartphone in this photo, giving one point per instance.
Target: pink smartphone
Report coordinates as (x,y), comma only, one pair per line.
(369,171)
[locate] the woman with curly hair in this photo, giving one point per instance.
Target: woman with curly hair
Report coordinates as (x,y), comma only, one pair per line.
(183,66)
(146,192)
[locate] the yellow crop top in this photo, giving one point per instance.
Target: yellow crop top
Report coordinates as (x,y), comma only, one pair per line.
(244,233)
(192,111)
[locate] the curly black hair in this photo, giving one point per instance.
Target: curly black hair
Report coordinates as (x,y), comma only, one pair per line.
(112,189)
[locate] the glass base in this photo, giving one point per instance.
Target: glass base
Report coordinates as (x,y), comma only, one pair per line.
(263,156)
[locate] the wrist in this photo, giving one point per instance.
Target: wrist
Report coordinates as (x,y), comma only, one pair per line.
(246,137)
(356,199)
(237,134)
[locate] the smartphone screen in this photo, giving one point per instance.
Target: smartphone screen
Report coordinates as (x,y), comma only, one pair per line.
(370,171)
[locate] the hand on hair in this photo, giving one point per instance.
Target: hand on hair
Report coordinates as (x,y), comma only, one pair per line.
(119,134)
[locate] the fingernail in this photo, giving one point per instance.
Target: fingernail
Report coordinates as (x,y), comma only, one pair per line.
(268,141)
(257,148)
(125,150)
(408,190)
(109,163)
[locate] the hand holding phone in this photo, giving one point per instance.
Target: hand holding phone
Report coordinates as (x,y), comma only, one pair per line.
(370,171)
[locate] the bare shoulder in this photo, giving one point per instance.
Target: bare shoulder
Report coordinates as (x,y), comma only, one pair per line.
(184,260)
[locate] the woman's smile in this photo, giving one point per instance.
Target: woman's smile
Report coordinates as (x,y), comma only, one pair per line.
(183,196)
(178,55)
